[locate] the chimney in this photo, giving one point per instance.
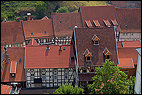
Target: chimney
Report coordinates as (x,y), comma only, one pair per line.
(29,16)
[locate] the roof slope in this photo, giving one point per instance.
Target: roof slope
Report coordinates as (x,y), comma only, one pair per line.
(84,41)
(5,89)
(97,13)
(11,32)
(38,28)
(65,22)
(129,19)
(126,63)
(15,54)
(41,57)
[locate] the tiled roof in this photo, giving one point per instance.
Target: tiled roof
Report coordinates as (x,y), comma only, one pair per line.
(84,41)
(127,44)
(15,54)
(41,57)
(99,13)
(1,51)
(45,18)
(6,89)
(129,19)
(126,63)
(38,28)
(65,22)
(128,53)
(11,32)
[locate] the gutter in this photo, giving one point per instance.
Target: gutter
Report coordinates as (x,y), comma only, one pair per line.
(76,62)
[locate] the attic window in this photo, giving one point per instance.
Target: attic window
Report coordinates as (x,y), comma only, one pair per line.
(20,59)
(31,33)
(44,32)
(95,40)
(60,21)
(87,55)
(107,53)
(114,22)
(96,23)
(107,23)
(88,23)
(69,27)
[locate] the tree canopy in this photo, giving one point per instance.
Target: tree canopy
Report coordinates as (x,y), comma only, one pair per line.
(68,89)
(62,10)
(109,79)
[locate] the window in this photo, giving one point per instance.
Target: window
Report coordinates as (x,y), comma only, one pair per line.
(13,75)
(44,32)
(107,23)
(60,21)
(88,23)
(96,23)
(87,55)
(88,58)
(107,56)
(95,40)
(31,33)
(84,70)
(126,72)
(106,53)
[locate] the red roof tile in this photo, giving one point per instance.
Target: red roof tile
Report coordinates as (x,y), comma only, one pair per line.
(98,13)
(6,89)
(15,54)
(127,44)
(40,57)
(38,28)
(128,53)
(11,32)
(129,19)
(126,63)
(84,41)
(65,22)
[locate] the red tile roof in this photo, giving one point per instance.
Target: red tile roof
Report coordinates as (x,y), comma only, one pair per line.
(128,53)
(126,63)
(6,89)
(97,13)
(11,32)
(127,44)
(1,51)
(38,28)
(96,22)
(40,57)
(84,41)
(15,54)
(65,22)
(129,19)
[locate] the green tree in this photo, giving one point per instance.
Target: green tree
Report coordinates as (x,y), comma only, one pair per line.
(109,80)
(131,85)
(68,89)
(41,8)
(62,10)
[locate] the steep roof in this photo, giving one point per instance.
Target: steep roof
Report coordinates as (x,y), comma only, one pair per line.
(129,44)
(129,19)
(6,89)
(99,13)
(15,54)
(127,53)
(38,28)
(11,32)
(126,63)
(65,22)
(84,41)
(44,56)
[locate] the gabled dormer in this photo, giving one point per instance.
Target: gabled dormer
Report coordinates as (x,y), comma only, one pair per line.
(87,54)
(95,40)
(32,42)
(107,53)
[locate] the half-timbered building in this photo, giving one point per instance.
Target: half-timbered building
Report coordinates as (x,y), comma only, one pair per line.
(48,65)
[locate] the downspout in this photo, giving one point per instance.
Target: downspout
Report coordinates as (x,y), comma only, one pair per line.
(76,62)
(116,45)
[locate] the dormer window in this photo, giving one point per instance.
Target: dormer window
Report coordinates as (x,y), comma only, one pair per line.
(87,55)
(95,40)
(107,53)
(88,23)
(107,23)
